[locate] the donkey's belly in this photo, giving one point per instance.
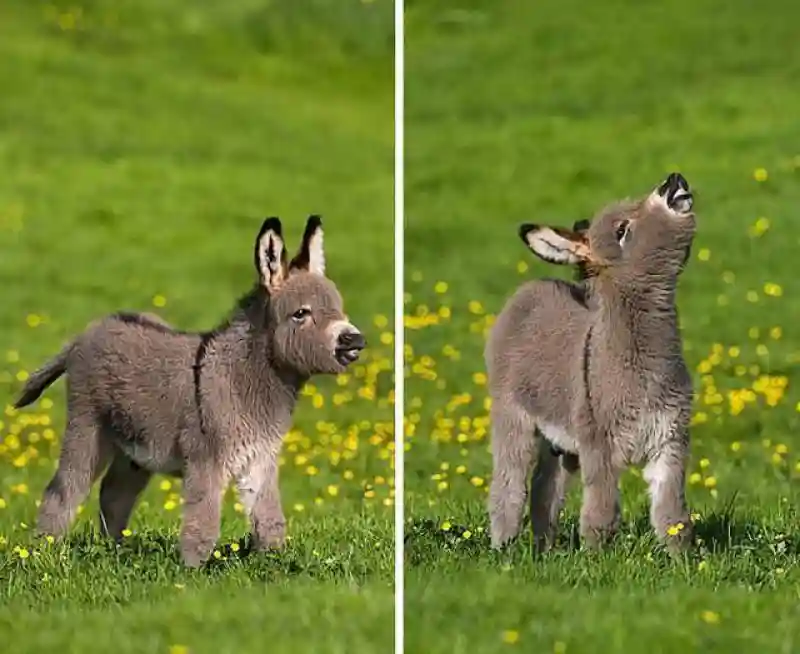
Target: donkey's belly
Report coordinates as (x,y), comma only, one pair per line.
(144,457)
(559,437)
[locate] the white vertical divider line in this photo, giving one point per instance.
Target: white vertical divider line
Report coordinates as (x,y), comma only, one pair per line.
(399,340)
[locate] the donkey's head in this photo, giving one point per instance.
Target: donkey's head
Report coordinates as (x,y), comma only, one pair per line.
(310,331)
(648,236)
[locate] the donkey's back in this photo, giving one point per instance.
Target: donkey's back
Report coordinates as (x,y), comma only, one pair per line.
(130,357)
(532,347)
(129,376)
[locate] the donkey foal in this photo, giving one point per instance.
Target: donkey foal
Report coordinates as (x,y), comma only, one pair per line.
(212,407)
(590,376)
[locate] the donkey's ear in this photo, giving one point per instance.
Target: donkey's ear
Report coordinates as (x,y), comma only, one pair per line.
(311,256)
(555,244)
(270,254)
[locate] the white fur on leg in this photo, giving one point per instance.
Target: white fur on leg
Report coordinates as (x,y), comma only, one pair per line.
(665,477)
(249,484)
(656,473)
(558,436)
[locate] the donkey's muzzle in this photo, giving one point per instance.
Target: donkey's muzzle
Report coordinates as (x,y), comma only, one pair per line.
(349,346)
(676,192)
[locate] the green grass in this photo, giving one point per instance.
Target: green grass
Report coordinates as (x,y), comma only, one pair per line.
(141,145)
(544,112)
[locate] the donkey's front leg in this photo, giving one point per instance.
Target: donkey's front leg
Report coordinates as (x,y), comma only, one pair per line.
(665,474)
(600,513)
(203,487)
(261,497)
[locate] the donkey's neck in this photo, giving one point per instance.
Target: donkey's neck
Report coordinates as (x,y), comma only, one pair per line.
(264,389)
(638,321)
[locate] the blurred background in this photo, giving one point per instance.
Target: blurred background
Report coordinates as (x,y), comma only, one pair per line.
(545,112)
(141,146)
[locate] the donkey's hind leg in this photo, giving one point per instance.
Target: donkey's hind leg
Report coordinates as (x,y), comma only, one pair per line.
(514,448)
(549,485)
(120,489)
(84,456)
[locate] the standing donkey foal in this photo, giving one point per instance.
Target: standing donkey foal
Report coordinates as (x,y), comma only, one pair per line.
(212,407)
(591,376)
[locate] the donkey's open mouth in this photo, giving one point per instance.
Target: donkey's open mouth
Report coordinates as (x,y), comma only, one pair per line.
(349,347)
(346,357)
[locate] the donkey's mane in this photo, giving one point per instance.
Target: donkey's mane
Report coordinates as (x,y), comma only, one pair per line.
(246,309)
(144,321)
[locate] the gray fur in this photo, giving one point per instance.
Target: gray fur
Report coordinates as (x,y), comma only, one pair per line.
(595,371)
(213,407)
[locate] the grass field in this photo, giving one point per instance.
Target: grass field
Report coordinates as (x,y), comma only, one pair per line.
(141,145)
(544,112)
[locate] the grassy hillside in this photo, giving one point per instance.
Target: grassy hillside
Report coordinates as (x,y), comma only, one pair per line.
(544,112)
(141,145)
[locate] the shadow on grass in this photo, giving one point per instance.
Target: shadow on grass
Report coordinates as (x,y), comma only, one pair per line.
(426,536)
(95,571)
(154,550)
(717,532)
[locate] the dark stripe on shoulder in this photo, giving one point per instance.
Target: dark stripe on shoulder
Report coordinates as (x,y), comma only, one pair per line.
(577,290)
(139,320)
(578,293)
(586,355)
(206,338)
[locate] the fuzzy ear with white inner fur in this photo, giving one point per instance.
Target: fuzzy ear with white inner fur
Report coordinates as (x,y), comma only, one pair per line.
(311,256)
(270,254)
(555,244)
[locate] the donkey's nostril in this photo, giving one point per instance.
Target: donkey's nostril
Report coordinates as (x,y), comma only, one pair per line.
(679,182)
(349,346)
(674,182)
(351,341)
(675,190)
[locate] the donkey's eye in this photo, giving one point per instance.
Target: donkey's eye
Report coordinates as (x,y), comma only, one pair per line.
(622,232)
(301,314)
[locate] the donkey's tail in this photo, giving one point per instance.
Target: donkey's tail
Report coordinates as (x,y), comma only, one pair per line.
(43,377)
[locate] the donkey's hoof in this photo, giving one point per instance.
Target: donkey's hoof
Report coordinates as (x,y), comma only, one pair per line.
(194,556)
(679,538)
(269,543)
(598,537)
(502,534)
